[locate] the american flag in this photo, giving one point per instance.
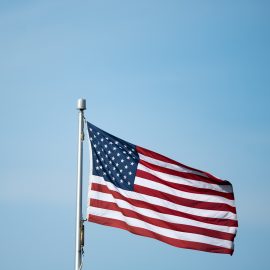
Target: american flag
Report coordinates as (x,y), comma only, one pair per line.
(148,194)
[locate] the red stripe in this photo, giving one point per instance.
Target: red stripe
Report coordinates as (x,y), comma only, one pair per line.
(162,209)
(143,232)
(182,174)
(182,187)
(162,223)
(184,201)
(152,154)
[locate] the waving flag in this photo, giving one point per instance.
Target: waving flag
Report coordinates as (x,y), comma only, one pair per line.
(148,194)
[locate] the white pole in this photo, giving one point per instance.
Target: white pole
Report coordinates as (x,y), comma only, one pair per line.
(81,106)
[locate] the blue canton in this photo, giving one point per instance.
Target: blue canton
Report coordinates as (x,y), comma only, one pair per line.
(114,159)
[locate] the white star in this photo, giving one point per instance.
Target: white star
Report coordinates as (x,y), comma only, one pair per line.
(98,133)
(110,142)
(97,161)
(124,152)
(118,154)
(126,166)
(116,164)
(105,165)
(106,155)
(113,158)
(91,139)
(105,145)
(121,181)
(107,138)
(117,174)
(97,168)
(102,139)
(128,157)
(130,173)
(129,152)
(110,162)
(98,152)
(125,145)
(113,178)
(129,183)
(114,168)
(131,163)
(102,159)
(122,160)
(125,177)
(104,173)
(116,142)
(120,171)
(110,172)
(91,129)
(95,145)
(109,152)
(114,148)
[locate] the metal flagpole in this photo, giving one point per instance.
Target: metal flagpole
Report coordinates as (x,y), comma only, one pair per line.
(81,106)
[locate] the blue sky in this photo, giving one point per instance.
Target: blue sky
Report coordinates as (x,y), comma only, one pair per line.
(188,79)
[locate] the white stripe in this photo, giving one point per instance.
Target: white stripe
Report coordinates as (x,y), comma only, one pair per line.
(153,214)
(162,231)
(170,165)
(185,181)
(182,194)
(156,201)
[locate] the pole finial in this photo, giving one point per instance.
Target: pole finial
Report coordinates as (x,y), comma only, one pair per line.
(81,104)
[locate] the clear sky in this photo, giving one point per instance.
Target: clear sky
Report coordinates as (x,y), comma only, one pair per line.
(188,79)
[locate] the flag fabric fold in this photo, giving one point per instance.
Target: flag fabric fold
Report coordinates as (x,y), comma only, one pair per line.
(148,194)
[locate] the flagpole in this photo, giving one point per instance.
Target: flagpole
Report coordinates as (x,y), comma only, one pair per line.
(81,106)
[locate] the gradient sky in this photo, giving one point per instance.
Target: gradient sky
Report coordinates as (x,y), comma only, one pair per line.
(188,79)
